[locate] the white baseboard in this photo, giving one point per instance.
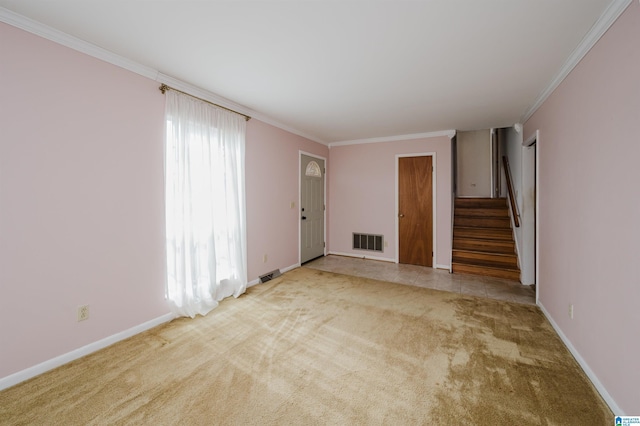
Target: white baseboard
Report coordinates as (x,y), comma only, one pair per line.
(283,270)
(583,364)
(383,259)
(289,268)
(43,367)
(358,256)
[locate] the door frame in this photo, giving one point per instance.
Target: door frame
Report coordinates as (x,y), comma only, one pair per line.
(433,203)
(297,208)
(526,183)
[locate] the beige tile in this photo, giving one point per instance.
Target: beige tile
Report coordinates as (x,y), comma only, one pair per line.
(494,288)
(473,289)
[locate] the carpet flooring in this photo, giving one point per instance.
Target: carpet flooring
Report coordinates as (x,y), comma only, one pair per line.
(314,347)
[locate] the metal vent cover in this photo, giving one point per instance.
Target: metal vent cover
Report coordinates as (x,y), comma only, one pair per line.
(368,242)
(270,275)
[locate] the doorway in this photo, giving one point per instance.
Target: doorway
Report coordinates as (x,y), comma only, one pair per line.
(415,218)
(312,207)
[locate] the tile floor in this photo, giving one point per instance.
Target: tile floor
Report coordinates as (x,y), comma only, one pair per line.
(492,288)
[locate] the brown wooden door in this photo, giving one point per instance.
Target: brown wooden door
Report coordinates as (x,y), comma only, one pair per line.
(415,210)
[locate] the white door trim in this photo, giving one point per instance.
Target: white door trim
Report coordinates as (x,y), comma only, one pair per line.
(535,138)
(324,177)
(434,203)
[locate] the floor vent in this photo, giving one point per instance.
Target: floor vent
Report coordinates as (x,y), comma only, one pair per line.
(368,242)
(270,275)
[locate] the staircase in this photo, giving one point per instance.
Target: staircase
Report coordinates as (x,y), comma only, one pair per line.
(482,239)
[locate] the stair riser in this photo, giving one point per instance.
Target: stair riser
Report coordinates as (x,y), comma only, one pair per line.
(486,234)
(486,203)
(482,222)
(482,212)
(488,272)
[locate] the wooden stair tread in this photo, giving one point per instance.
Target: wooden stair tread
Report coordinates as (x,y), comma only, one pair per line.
(482,222)
(489,271)
(485,263)
(482,233)
(485,245)
(477,212)
(509,261)
(481,202)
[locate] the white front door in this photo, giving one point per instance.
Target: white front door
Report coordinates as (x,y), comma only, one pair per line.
(311,208)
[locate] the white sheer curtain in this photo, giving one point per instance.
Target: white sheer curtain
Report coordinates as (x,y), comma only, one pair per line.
(205,205)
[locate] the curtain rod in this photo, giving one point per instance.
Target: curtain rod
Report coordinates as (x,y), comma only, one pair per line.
(163,88)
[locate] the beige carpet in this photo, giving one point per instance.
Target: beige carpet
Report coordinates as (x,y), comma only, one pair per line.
(315,347)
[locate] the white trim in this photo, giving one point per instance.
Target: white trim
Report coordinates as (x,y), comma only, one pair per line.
(527,143)
(227,103)
(324,177)
(583,364)
(43,367)
(515,238)
(367,257)
(290,268)
(449,133)
(34,27)
(283,270)
(530,140)
(266,119)
(383,259)
(608,17)
(16,20)
(492,133)
(434,203)
(537,236)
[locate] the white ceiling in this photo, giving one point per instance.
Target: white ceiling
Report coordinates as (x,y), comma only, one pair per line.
(345,70)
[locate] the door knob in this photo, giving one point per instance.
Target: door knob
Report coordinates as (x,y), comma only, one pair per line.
(400,215)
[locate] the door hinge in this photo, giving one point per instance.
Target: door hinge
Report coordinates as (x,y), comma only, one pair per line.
(324,244)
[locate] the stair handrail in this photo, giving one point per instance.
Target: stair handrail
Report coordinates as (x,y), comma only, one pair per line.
(512,199)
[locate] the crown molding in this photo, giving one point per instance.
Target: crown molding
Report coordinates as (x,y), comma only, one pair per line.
(34,27)
(604,22)
(448,133)
(227,103)
(279,125)
(57,36)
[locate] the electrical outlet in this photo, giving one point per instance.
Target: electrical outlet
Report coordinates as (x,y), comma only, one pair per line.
(571,311)
(264,258)
(83,313)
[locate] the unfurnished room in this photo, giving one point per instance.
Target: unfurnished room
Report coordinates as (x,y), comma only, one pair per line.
(319,212)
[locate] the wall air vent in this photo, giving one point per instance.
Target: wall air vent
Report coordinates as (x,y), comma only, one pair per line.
(270,275)
(368,242)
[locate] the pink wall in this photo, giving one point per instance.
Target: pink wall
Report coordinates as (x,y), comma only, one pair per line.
(589,208)
(362,182)
(272,163)
(81,200)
